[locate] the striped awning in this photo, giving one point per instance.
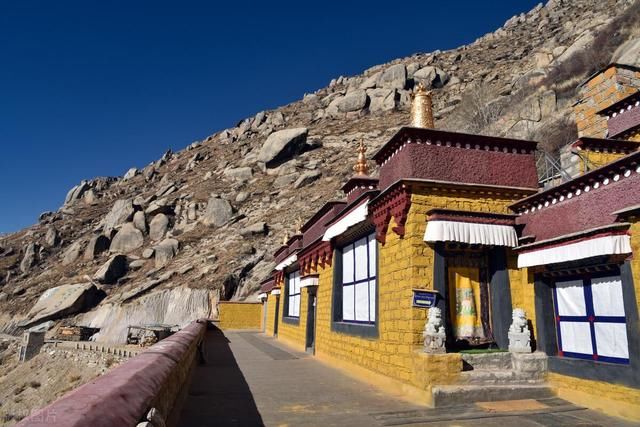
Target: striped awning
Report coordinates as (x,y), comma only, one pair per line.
(616,244)
(287,262)
(356,216)
(472,233)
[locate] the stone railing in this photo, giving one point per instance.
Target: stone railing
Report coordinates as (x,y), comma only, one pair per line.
(120,351)
(143,389)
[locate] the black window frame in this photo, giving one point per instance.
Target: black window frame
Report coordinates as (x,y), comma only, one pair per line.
(286,318)
(352,327)
(596,370)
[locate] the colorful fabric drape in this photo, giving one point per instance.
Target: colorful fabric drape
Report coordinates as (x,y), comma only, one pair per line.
(464,302)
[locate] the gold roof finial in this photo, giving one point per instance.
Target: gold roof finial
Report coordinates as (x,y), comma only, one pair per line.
(421,108)
(361,168)
(285,239)
(299,224)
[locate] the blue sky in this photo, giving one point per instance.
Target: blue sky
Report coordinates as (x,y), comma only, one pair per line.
(91,88)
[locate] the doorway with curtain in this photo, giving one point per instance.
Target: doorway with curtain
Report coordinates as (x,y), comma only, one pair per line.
(468,296)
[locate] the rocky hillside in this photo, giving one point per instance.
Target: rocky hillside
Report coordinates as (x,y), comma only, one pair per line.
(166,242)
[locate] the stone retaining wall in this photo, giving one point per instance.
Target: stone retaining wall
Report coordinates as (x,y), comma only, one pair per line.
(124,395)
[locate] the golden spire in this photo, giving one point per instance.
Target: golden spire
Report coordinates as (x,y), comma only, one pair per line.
(421,110)
(361,168)
(285,239)
(299,224)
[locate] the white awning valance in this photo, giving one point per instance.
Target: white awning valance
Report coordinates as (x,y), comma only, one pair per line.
(275,292)
(472,233)
(262,295)
(309,281)
(354,217)
(605,245)
(287,262)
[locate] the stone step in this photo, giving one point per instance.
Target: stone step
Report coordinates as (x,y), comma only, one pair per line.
(498,361)
(454,395)
(496,377)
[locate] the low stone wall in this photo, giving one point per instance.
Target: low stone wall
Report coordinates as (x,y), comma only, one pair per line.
(124,395)
(239,315)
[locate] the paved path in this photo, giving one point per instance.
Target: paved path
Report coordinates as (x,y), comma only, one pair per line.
(253,380)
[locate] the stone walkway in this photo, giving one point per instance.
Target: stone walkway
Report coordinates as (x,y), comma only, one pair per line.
(253,380)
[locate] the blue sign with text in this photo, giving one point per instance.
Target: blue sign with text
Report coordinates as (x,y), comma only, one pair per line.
(424,298)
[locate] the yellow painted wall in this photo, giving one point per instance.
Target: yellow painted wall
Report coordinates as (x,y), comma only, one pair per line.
(611,398)
(597,159)
(635,261)
(404,264)
(271,314)
(522,289)
(295,335)
(239,315)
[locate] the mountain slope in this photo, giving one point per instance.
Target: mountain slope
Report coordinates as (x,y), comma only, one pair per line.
(202,224)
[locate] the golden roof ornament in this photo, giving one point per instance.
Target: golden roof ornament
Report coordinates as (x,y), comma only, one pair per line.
(361,168)
(299,224)
(285,239)
(421,108)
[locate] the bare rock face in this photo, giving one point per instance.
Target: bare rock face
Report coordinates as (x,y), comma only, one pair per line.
(96,246)
(121,212)
(112,270)
(63,301)
(241,174)
(72,253)
(165,251)
(30,257)
(218,212)
(282,145)
(128,239)
(158,227)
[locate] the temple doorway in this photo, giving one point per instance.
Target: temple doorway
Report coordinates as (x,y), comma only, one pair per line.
(468,296)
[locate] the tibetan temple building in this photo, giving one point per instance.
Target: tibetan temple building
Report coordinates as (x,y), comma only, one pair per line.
(418,278)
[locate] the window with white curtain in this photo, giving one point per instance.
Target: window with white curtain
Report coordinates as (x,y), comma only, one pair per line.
(359,280)
(590,319)
(293,294)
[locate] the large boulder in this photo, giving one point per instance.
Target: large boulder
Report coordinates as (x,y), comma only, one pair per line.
(282,145)
(112,270)
(382,99)
(30,257)
(241,174)
(431,77)
(140,221)
(63,301)
(121,212)
(353,101)
(218,213)
(130,174)
(158,227)
(628,53)
(76,193)
(51,238)
(128,239)
(394,77)
(96,246)
(165,251)
(72,253)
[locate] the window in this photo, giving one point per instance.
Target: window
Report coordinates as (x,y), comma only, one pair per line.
(359,281)
(293,294)
(590,319)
